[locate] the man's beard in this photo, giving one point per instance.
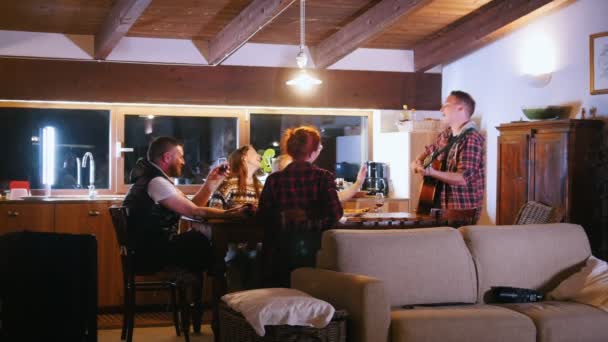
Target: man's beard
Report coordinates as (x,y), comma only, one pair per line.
(175,170)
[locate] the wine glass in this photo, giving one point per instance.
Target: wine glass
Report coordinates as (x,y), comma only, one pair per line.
(379,199)
(222,162)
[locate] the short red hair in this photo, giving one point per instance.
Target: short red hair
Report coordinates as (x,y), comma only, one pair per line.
(301,142)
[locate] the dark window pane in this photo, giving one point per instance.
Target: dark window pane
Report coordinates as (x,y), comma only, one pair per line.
(77,131)
(205,140)
(344,138)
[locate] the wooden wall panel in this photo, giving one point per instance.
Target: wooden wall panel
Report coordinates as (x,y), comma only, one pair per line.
(59,80)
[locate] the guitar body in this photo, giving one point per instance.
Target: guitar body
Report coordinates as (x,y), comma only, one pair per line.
(426,200)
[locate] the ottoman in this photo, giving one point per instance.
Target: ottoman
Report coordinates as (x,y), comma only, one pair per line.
(234,328)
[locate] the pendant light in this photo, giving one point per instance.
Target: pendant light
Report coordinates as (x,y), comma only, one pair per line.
(303,80)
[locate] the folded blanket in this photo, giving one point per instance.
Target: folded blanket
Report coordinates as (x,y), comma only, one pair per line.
(279,306)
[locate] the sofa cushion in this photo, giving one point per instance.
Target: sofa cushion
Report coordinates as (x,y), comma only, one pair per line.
(418,266)
(529,256)
(461,323)
(565,321)
(587,286)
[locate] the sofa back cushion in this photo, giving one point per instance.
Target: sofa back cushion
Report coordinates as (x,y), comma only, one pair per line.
(530,256)
(418,266)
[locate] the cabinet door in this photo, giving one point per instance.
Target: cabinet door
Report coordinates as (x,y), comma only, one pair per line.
(513,160)
(549,182)
(94,218)
(16,217)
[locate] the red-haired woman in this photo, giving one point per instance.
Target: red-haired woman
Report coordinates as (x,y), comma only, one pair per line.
(300,189)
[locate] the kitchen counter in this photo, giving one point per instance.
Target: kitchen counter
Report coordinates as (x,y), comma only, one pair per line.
(65,199)
(390,204)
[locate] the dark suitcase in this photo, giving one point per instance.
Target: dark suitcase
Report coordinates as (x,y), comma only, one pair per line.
(48,287)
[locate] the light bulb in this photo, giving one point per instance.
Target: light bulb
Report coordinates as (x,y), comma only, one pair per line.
(304,81)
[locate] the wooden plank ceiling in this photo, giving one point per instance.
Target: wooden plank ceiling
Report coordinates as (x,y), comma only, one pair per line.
(202,20)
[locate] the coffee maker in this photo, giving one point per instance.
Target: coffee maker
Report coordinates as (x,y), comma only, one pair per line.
(376,180)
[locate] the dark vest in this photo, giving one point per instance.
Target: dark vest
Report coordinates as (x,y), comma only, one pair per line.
(151,225)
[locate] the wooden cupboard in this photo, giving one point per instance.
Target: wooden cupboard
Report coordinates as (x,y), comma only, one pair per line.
(554,162)
(33,217)
(94,218)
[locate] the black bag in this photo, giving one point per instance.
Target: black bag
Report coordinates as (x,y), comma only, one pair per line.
(506,294)
(48,287)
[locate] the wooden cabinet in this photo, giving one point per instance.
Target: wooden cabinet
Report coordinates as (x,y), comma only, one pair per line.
(32,217)
(94,218)
(554,162)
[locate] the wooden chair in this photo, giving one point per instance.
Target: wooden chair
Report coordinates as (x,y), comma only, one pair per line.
(176,285)
(534,212)
(291,243)
(455,217)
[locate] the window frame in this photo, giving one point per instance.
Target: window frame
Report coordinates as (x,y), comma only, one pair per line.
(117,124)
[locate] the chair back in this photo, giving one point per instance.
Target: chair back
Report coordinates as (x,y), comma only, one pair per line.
(119,216)
(534,212)
(298,220)
(292,243)
(119,220)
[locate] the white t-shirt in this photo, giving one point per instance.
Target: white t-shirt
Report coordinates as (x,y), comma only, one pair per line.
(160,188)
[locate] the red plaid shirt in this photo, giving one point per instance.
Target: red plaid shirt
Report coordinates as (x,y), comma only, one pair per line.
(304,186)
(464,157)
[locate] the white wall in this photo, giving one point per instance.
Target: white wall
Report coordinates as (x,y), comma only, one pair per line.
(493,74)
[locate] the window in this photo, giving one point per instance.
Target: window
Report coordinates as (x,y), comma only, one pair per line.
(77,131)
(205,140)
(344,138)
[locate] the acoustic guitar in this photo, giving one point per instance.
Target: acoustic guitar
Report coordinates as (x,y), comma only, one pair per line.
(429,184)
(426,201)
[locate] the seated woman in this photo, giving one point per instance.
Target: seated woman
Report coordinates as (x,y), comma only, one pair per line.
(300,190)
(242,186)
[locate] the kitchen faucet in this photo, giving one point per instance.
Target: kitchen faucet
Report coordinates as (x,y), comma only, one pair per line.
(87,156)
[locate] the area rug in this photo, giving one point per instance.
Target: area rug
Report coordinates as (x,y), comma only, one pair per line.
(142,319)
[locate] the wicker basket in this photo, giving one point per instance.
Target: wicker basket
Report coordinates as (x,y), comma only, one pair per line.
(234,328)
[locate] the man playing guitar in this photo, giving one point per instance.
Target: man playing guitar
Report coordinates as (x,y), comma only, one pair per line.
(454,163)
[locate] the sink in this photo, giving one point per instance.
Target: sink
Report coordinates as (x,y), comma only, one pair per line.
(72,198)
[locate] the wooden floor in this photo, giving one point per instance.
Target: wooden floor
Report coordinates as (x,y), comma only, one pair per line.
(155,334)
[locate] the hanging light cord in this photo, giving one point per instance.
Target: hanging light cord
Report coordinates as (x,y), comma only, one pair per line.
(302,24)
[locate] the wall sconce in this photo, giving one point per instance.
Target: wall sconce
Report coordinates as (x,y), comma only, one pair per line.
(48,158)
(538,81)
(538,59)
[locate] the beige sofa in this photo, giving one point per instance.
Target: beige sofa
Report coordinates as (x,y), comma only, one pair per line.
(386,279)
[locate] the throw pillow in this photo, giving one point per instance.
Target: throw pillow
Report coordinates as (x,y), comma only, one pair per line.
(279,306)
(587,286)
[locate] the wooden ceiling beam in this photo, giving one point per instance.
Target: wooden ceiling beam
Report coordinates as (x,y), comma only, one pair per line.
(361,30)
(122,16)
(251,20)
(482,26)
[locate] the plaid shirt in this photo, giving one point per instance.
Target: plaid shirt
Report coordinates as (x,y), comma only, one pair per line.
(304,186)
(464,157)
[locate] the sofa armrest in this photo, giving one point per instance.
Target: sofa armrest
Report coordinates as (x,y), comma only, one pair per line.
(363,297)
